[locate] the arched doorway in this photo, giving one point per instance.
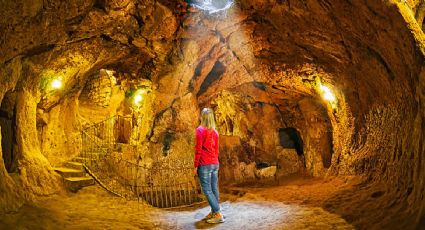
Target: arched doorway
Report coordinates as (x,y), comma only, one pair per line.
(290,138)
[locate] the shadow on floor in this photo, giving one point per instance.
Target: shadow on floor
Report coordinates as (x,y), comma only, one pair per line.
(204,225)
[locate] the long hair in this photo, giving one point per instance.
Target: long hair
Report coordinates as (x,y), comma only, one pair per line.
(207,118)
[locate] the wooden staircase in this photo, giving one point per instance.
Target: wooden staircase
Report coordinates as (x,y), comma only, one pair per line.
(74,175)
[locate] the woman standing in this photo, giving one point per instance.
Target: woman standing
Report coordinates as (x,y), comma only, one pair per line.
(207,165)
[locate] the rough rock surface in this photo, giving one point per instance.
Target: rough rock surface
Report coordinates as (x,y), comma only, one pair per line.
(288,162)
(260,65)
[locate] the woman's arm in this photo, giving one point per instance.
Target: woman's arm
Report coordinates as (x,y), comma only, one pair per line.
(218,143)
(198,147)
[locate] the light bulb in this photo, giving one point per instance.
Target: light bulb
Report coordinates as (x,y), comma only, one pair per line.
(137,99)
(56,84)
(327,93)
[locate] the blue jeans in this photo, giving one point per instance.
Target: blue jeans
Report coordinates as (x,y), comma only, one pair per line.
(208,177)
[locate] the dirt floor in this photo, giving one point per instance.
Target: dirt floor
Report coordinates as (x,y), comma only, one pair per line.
(291,204)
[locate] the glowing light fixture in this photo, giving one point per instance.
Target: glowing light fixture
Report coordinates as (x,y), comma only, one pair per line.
(56,84)
(327,94)
(137,99)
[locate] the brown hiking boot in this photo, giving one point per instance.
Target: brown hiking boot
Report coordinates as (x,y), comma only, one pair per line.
(216,218)
(209,216)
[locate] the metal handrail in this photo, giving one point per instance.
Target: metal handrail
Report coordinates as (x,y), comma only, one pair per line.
(129,179)
(94,141)
(100,122)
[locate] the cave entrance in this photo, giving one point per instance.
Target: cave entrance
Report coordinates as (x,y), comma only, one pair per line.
(290,138)
(6,124)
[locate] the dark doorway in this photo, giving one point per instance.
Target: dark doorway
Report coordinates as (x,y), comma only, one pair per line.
(123,128)
(6,124)
(166,145)
(290,138)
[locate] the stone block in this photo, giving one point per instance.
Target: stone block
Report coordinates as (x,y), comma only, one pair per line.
(288,162)
(268,172)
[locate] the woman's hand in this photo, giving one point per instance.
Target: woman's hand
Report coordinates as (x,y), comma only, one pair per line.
(195,171)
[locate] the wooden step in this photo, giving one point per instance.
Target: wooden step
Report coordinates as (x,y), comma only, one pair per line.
(69,172)
(74,165)
(76,183)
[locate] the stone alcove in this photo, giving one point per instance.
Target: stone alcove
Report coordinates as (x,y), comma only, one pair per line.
(7,131)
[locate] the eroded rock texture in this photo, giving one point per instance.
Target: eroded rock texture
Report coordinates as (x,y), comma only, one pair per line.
(259,65)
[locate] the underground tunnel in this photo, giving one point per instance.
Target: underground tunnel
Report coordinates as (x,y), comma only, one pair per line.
(319,106)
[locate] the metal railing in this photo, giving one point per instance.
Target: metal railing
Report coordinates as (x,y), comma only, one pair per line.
(164,182)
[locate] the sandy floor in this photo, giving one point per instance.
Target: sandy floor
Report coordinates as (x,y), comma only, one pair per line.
(291,205)
(250,212)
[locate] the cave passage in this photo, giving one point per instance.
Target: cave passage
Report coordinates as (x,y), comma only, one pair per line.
(319,106)
(290,138)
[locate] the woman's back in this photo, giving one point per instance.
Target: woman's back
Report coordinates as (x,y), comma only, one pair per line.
(207,145)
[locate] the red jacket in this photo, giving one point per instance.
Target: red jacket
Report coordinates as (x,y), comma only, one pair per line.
(206,148)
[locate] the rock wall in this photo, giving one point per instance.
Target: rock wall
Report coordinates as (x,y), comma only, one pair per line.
(58,131)
(261,65)
(98,89)
(11,197)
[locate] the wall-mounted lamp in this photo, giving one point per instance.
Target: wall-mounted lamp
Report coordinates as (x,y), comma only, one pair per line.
(328,95)
(138,96)
(138,99)
(56,84)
